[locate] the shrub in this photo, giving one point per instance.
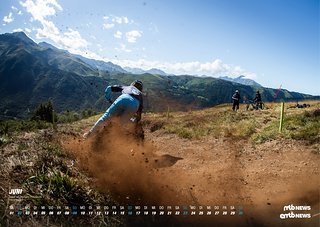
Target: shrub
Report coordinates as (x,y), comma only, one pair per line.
(44,112)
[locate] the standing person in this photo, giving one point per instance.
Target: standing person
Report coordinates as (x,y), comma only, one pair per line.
(257,100)
(236,100)
(126,106)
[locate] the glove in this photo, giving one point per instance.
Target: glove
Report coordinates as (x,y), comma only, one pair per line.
(107,93)
(86,135)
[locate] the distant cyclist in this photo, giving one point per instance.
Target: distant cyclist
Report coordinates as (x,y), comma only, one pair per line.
(257,100)
(236,100)
(128,105)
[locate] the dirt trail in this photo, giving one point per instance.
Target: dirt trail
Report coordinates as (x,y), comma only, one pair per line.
(168,170)
(262,179)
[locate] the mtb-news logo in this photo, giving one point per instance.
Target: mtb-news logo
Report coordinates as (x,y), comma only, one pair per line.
(295,212)
(15,191)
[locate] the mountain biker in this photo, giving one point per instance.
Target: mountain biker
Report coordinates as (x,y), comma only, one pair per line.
(127,105)
(236,100)
(257,100)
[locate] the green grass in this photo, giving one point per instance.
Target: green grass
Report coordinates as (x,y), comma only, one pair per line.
(303,127)
(13,126)
(257,126)
(269,132)
(297,126)
(4,140)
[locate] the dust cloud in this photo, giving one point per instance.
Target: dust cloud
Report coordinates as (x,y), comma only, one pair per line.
(124,166)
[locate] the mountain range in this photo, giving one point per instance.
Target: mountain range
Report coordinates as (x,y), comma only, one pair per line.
(32,73)
(242,80)
(141,71)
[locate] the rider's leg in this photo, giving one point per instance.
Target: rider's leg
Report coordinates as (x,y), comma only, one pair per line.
(129,106)
(122,106)
(234,106)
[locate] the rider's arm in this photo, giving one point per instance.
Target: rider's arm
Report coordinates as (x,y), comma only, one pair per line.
(234,97)
(110,89)
(116,88)
(107,93)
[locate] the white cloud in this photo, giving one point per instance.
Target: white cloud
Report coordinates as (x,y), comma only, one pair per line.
(73,39)
(22,30)
(120,20)
(110,21)
(8,19)
(133,35)
(48,30)
(15,9)
(18,30)
(40,10)
(123,48)
(87,54)
(118,35)
(108,26)
(215,68)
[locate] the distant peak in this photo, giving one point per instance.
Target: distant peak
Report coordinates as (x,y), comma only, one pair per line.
(241,80)
(20,35)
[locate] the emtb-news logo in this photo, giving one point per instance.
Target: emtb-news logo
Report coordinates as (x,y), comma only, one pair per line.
(15,191)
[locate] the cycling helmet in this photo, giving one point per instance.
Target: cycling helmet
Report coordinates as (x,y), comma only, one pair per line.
(138,84)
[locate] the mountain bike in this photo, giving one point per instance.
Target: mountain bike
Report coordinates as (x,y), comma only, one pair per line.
(255,105)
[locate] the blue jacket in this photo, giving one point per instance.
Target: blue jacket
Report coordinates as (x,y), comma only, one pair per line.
(130,90)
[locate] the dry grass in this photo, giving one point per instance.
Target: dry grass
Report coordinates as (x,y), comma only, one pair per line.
(35,162)
(220,121)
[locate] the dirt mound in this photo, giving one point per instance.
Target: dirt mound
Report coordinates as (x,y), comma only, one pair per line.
(165,161)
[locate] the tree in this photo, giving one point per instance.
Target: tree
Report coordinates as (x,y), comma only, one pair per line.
(44,112)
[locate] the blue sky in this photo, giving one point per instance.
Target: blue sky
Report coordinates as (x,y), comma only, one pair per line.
(275,42)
